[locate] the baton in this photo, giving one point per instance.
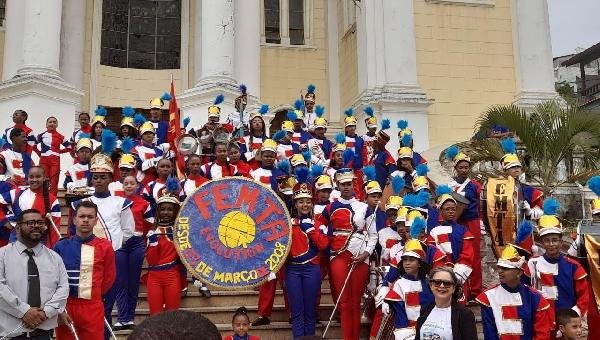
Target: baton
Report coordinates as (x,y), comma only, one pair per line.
(72,327)
(110,329)
(56,230)
(348,276)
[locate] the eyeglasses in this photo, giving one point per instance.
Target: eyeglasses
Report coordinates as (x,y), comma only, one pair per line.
(439,283)
(31,224)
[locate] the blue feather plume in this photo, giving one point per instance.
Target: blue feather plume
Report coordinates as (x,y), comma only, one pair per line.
(406,139)
(100,111)
(109,142)
(319,111)
(301,174)
(172,185)
(306,155)
(299,105)
(316,170)
(349,112)
(84,135)
(422,198)
(186,122)
(402,124)
(442,190)
(139,119)
(523,231)
(348,156)
(291,115)
(409,200)
(509,145)
(422,169)
(128,111)
(127,145)
(219,99)
(550,206)
(370,173)
(385,124)
(594,184)
(398,184)
(340,138)
(452,151)
(417,227)
(166,96)
(310,88)
(243,89)
(278,135)
(284,166)
(264,108)
(2,142)
(369,111)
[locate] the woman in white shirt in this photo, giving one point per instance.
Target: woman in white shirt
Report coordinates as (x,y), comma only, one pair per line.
(435,317)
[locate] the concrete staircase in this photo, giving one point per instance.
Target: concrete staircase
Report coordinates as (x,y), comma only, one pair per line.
(220,307)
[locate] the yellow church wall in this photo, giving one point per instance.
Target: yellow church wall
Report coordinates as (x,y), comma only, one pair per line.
(348,60)
(464,63)
(1,51)
(285,71)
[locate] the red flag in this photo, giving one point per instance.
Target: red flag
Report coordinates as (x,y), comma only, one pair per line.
(175,130)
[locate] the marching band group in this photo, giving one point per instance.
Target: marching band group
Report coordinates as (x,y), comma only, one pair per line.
(356,211)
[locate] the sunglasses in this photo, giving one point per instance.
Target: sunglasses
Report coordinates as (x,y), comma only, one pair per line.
(439,283)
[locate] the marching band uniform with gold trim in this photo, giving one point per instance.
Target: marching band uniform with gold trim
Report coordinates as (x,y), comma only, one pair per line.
(408,293)
(164,271)
(352,233)
(561,280)
(22,199)
(302,270)
(514,313)
(115,219)
(249,146)
(90,264)
(164,278)
(15,166)
(131,256)
(189,185)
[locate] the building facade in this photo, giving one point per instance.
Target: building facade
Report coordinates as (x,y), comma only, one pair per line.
(436,63)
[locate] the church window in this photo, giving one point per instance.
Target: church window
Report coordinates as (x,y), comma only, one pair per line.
(141,34)
(286,22)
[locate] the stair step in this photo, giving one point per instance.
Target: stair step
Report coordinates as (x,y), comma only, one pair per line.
(227,298)
(279,331)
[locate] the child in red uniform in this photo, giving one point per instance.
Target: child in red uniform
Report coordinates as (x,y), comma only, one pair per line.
(240,324)
(234,159)
(49,144)
(164,267)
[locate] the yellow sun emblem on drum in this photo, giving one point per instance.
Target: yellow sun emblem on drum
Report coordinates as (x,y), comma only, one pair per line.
(236,229)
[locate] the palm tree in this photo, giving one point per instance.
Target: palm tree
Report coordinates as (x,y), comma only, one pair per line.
(553,137)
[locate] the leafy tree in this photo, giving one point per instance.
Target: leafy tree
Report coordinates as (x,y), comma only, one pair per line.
(552,137)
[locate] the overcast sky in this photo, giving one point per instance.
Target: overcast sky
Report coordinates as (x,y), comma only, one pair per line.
(573,23)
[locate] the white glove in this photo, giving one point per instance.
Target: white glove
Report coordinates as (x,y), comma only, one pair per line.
(525,207)
(381,293)
(385,308)
(272,276)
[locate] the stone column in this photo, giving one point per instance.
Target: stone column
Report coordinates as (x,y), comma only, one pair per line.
(41,38)
(247,45)
(387,67)
(532,53)
(218,43)
(72,43)
(13,38)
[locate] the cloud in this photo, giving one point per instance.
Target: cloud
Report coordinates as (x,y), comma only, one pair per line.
(573,23)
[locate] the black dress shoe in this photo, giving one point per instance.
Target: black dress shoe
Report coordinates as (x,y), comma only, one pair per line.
(261,321)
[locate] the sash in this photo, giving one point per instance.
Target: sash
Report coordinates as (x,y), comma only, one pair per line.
(500,211)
